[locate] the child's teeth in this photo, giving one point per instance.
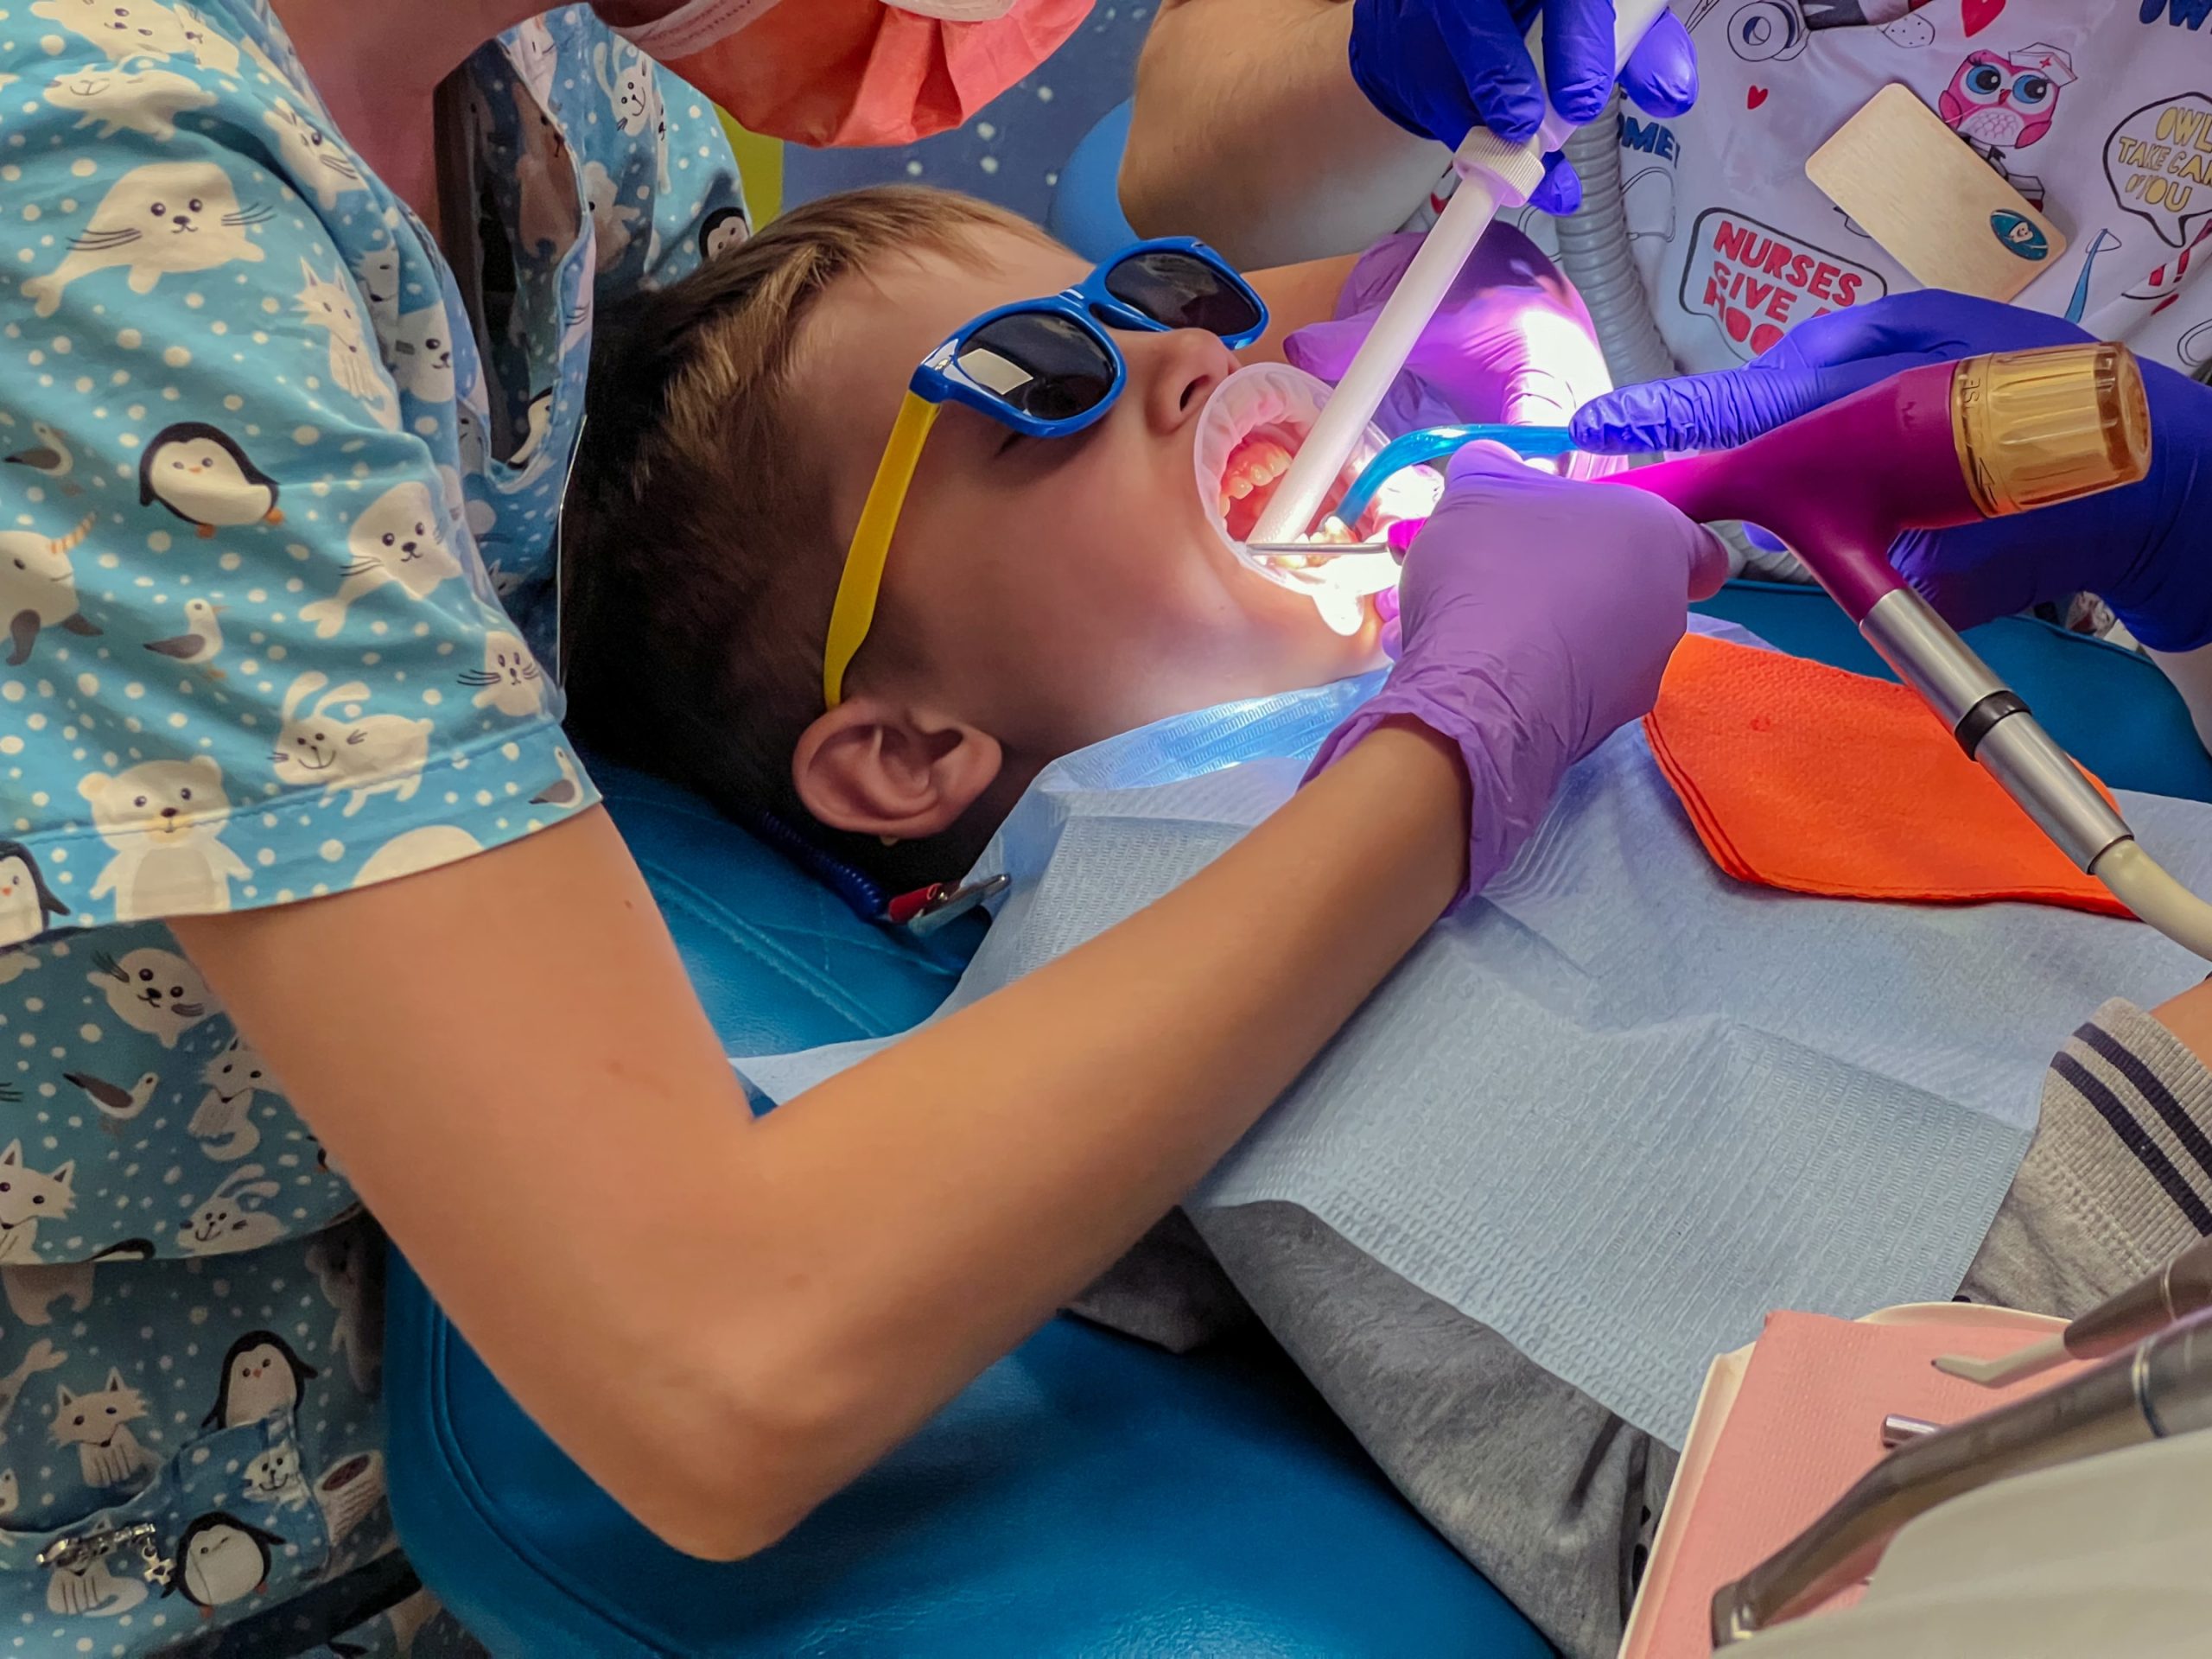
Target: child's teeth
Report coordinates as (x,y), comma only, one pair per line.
(1221,507)
(1240,486)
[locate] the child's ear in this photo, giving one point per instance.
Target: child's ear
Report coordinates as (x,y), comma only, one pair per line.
(879,768)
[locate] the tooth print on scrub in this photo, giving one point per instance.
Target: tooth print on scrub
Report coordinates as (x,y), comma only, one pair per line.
(2098,111)
(275,544)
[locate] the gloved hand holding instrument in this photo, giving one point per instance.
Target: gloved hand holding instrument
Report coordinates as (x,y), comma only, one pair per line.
(1442,68)
(2145,549)
(1527,663)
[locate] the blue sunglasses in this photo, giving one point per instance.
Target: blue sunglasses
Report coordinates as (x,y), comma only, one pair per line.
(1047,368)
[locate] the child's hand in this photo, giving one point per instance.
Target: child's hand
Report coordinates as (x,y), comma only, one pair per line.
(1538,614)
(1511,342)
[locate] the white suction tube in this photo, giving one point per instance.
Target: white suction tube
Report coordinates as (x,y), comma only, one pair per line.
(1492,174)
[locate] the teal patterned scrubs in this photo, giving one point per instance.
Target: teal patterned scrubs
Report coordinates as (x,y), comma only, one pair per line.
(275,568)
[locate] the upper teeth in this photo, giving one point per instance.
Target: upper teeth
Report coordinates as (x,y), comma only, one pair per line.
(1258,461)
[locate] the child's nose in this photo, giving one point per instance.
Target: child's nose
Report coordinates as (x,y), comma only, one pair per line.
(1176,372)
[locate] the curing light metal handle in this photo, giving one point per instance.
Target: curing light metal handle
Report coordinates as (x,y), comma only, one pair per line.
(1493,175)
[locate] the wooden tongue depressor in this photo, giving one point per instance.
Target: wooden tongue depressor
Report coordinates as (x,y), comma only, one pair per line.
(1936,207)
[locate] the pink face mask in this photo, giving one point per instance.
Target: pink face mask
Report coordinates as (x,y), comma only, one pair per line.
(856,71)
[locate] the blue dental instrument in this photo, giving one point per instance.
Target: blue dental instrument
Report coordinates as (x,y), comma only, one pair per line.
(1434,443)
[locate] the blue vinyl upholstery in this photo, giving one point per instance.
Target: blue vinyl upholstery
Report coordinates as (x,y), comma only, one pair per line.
(1087,1495)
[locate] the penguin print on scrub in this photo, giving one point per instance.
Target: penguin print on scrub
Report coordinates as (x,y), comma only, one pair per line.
(163,819)
(221,1560)
(127,30)
(316,163)
(200,473)
(27,1197)
(152,991)
(328,305)
(262,1378)
(156,221)
(38,586)
(399,537)
(27,905)
(146,101)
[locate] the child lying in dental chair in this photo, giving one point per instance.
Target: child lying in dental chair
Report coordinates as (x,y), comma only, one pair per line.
(1056,582)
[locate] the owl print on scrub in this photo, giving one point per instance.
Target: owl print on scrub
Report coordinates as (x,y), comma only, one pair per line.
(255,467)
(2000,103)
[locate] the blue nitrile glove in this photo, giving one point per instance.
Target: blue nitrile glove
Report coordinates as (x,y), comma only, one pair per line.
(2144,550)
(1443,67)
(1538,614)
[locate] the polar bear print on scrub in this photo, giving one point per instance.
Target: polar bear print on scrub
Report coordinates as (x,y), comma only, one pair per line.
(145,101)
(27,1197)
(156,221)
(399,537)
(155,991)
(163,819)
(328,305)
(509,680)
(38,586)
(333,745)
(125,30)
(316,163)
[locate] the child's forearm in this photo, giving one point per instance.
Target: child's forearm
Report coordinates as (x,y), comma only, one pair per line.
(1250,131)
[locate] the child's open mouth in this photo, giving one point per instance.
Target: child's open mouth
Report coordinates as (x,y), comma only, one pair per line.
(1251,427)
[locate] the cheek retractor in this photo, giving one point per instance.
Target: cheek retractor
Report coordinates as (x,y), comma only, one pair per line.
(1256,419)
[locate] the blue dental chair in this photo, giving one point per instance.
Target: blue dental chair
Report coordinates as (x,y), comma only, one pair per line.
(1087,1495)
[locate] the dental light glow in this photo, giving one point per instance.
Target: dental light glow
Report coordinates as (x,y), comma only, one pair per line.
(1250,428)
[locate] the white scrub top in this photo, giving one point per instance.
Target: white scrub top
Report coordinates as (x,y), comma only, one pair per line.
(2099,111)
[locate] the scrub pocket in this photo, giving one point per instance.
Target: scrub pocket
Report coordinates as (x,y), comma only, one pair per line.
(227,1526)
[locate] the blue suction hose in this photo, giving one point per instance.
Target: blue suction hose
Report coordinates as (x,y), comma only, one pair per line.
(1434,443)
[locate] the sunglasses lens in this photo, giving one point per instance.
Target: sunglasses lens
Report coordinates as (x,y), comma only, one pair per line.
(1181,290)
(1045,367)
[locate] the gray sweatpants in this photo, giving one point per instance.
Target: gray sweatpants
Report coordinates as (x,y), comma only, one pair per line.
(1552,1496)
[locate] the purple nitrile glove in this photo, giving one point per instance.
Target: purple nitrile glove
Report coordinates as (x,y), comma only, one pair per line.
(2145,550)
(1511,342)
(1537,615)
(1442,67)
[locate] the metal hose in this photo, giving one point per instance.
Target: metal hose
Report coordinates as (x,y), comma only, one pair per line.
(1595,253)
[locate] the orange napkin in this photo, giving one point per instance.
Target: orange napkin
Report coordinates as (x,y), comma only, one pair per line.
(1805,1424)
(1803,777)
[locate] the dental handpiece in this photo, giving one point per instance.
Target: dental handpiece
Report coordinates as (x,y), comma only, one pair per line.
(2180,1289)
(1938,446)
(2162,1389)
(1493,175)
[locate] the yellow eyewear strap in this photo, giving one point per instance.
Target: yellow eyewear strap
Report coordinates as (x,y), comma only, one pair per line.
(854,614)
